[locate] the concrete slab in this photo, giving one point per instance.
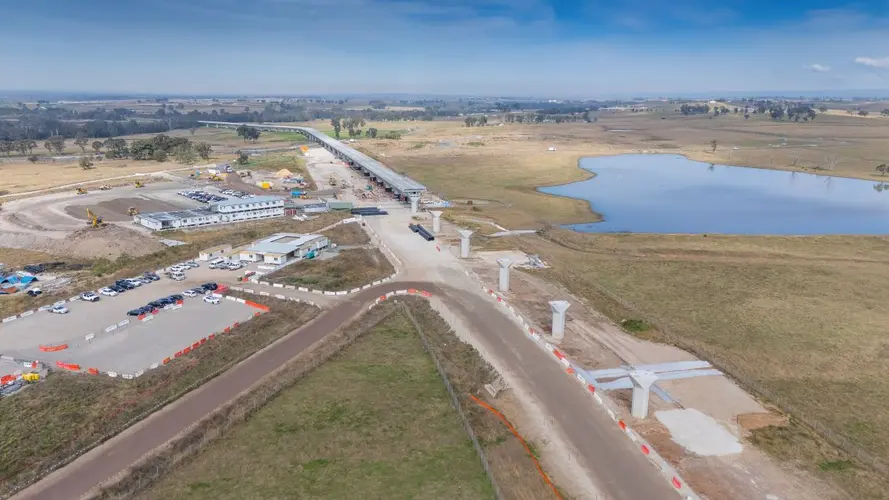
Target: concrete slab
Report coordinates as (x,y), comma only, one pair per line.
(137,346)
(698,433)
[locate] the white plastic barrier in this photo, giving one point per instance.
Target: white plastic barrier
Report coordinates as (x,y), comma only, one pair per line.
(237,289)
(319,292)
(377,282)
(241,301)
(290,287)
(89,337)
(148,318)
(325,293)
(123,323)
(138,373)
(112,374)
(266,294)
(127,376)
(354,290)
(365,287)
(44,308)
(248,290)
(303,289)
(153,366)
(280,297)
(111,329)
(26,314)
(266,283)
(11,318)
(278,285)
(229,297)
(341,293)
(72,299)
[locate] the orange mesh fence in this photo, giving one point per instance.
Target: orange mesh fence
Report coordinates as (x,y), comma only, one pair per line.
(512,429)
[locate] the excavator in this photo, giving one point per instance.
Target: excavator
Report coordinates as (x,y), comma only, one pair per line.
(139,184)
(216,178)
(132,211)
(332,182)
(80,191)
(93,219)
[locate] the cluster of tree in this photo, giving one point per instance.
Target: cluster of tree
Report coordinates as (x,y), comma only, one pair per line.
(351,124)
(694,109)
(248,133)
(541,117)
(23,146)
(161,146)
(476,121)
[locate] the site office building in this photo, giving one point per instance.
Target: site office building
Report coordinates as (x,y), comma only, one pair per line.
(220,212)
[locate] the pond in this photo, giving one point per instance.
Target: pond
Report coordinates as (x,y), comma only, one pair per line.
(671,194)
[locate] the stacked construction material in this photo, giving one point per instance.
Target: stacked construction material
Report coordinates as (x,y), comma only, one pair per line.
(367,211)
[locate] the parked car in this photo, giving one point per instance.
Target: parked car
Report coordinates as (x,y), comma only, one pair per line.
(156,304)
(212,299)
(151,277)
(89,297)
(134,281)
(210,286)
(176,297)
(190,293)
(125,284)
(234,266)
(59,309)
(108,291)
(34,292)
(177,276)
(165,301)
(192,264)
(136,312)
(117,288)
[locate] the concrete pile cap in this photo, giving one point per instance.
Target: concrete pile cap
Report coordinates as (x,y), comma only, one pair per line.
(465,233)
(504,263)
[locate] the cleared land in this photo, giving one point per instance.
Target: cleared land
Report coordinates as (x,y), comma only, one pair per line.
(374,421)
(348,234)
(798,318)
(66,412)
(350,268)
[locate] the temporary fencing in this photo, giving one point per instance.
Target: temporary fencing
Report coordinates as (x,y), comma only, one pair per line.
(613,411)
(53,348)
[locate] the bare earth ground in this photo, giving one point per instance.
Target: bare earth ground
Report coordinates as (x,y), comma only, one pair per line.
(796,318)
(348,269)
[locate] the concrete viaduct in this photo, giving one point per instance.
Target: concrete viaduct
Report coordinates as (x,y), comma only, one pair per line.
(402,186)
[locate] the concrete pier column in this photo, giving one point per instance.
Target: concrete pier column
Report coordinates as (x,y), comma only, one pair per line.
(436,221)
(464,243)
(642,381)
(415,203)
(504,273)
(559,307)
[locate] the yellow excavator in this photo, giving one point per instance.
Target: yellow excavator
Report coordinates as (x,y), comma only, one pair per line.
(139,184)
(93,219)
(132,211)
(80,191)
(215,178)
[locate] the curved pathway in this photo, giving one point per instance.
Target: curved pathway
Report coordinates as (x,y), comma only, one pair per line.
(620,471)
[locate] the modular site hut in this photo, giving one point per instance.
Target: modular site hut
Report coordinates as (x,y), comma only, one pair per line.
(283,247)
(219,212)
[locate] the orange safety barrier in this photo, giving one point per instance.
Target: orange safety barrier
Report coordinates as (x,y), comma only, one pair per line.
(203,340)
(186,351)
(211,336)
(141,317)
(7,379)
(411,290)
(93,371)
(195,345)
(179,302)
(425,293)
(509,426)
(256,315)
(68,366)
(178,353)
(236,325)
(53,348)
(227,329)
(382,297)
(166,360)
(257,306)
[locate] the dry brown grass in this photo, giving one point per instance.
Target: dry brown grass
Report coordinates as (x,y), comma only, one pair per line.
(798,320)
(348,234)
(349,269)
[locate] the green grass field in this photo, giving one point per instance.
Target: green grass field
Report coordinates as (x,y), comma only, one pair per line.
(351,268)
(373,422)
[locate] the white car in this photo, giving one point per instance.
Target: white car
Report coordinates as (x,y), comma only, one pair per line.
(212,299)
(107,291)
(89,297)
(191,264)
(134,281)
(190,293)
(59,309)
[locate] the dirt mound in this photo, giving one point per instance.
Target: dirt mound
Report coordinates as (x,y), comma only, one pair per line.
(110,242)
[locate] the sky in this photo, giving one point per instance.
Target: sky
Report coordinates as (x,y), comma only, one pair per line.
(543,48)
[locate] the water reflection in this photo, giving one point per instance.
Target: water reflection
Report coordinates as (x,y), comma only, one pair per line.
(671,194)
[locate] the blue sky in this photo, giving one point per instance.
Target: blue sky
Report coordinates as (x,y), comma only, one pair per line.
(496,47)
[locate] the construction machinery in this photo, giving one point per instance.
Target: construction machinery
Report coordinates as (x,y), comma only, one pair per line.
(93,219)
(216,178)
(332,182)
(80,191)
(244,173)
(139,184)
(132,211)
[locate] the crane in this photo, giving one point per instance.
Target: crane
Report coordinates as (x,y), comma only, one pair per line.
(93,219)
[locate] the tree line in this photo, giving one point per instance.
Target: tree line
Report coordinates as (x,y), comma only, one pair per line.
(158,148)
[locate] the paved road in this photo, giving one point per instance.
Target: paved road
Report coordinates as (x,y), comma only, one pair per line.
(621,472)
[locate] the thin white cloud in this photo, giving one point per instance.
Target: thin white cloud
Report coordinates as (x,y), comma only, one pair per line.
(880,62)
(818,68)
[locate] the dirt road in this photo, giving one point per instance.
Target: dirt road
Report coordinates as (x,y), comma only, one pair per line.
(621,472)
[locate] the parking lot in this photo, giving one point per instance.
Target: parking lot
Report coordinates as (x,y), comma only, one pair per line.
(140,344)
(128,348)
